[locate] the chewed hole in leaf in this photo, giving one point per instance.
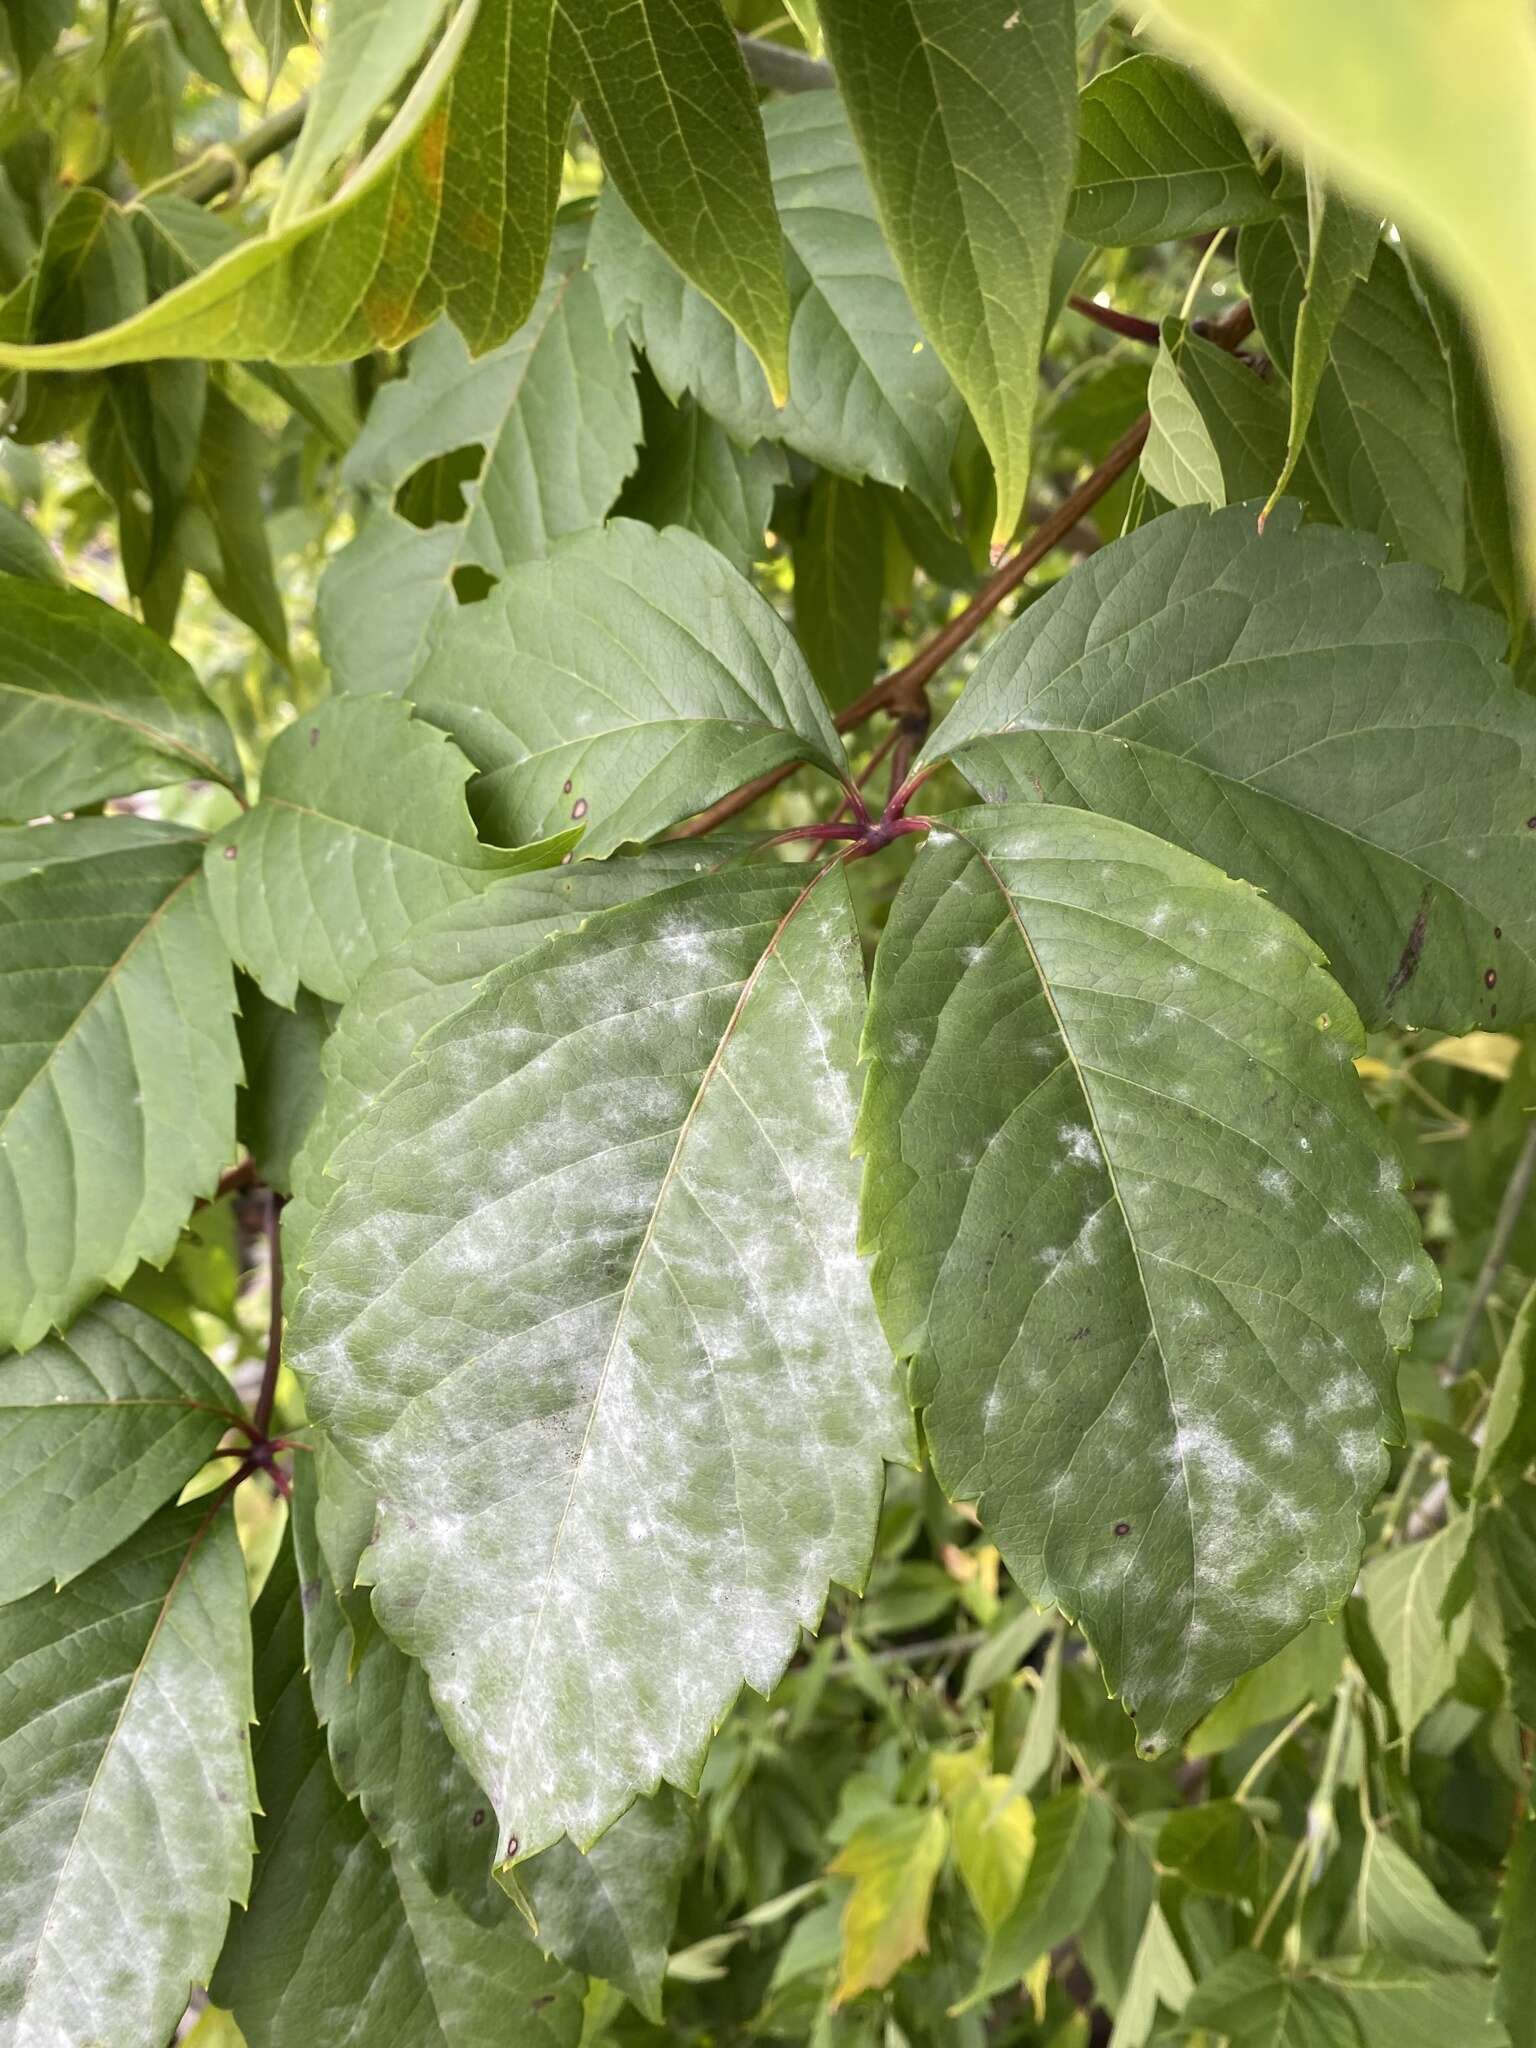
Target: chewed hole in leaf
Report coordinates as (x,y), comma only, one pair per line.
(433,494)
(471,584)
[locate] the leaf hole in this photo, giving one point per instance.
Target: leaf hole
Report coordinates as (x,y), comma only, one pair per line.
(433,495)
(472,584)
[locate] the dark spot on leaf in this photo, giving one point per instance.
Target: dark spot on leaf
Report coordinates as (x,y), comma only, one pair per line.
(1530,824)
(1408,960)
(1498,931)
(567,785)
(538,2004)
(1490,978)
(477,1818)
(579,808)
(1123,1529)
(314,735)
(511,1845)
(231,853)
(309,1593)
(1079,1335)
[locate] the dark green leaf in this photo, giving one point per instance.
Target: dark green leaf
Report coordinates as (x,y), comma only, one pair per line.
(24,552)
(199,43)
(1158,158)
(1250,2002)
(693,474)
(839,586)
(1515,1999)
(283,1089)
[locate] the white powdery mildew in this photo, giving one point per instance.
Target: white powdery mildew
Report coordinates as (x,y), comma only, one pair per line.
(615,1367)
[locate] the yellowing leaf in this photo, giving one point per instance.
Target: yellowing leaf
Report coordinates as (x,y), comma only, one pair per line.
(994,1837)
(893,1860)
(1491,1053)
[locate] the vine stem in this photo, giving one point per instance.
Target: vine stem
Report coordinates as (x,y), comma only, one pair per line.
(261,1415)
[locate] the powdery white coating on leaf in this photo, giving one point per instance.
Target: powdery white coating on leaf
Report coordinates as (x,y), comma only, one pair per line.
(1159,1359)
(587,1313)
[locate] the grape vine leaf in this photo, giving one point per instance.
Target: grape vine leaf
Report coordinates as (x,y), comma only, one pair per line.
(409,236)
(621,685)
(1337,730)
(663,88)
(98,1429)
(118,1058)
(125,1813)
(867,395)
(660,1346)
(1249,1999)
(967,122)
(93,705)
(1158,158)
(691,473)
(361,832)
(553,419)
(396,1964)
(1087,1048)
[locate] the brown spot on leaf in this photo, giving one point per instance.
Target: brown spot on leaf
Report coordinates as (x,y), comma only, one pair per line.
(1490,977)
(477,1818)
(231,853)
(314,735)
(567,785)
(1408,960)
(1123,1529)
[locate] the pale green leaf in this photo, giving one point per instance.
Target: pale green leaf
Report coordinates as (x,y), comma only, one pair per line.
(967,122)
(1245,418)
(125,1784)
(621,685)
(1508,1443)
(1398,1910)
(868,395)
(361,832)
(665,93)
(1111,1118)
(551,416)
(1179,459)
(1159,1979)
(370,45)
(839,586)
(1252,2003)
(1336,730)
(394,1965)
(1420,113)
(1074,1844)
(98,1429)
(118,1058)
(433,972)
(992,1829)
(94,705)
(893,1858)
(470,161)
(611,1912)
(625,1164)
(691,473)
(1404,1590)
(1158,158)
(1397,2003)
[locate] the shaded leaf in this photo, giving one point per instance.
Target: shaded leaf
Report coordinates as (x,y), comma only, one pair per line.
(1515,1998)
(24,552)
(1111,1118)
(1158,158)
(98,1429)
(361,832)
(620,686)
(653,1352)
(1179,460)
(1508,1443)
(1404,1590)
(1336,730)
(118,1058)
(125,1814)
(198,41)
(283,1089)
(967,123)
(1252,2003)
(839,586)
(692,474)
(893,1859)
(1400,2004)
(1159,1980)
(1399,1911)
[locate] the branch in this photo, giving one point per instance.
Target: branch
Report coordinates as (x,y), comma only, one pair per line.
(781,69)
(225,170)
(1129,325)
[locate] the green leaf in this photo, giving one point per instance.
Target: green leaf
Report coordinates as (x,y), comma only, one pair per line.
(284,1089)
(894,1859)
(142,90)
(1158,158)
(549,423)
(968,126)
(1245,418)
(118,1058)
(1306,1669)
(125,1813)
(34,27)
(361,832)
(1423,116)
(1404,1590)
(24,552)
(472,156)
(1384,366)
(198,41)
(992,1827)
(692,474)
(1215,1847)
(1179,459)
(1398,1910)
(1508,1443)
(1111,1118)
(1336,730)
(433,972)
(1515,1998)
(611,1912)
(655,1348)
(1400,2004)
(100,1428)
(94,705)
(665,93)
(395,1964)
(1341,248)
(1074,1845)
(840,585)
(1252,2003)
(868,396)
(370,46)
(621,685)
(1159,1978)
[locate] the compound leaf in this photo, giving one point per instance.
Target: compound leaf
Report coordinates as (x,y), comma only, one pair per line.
(118,1058)
(967,122)
(1111,1119)
(619,686)
(1335,729)
(610,1363)
(125,1813)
